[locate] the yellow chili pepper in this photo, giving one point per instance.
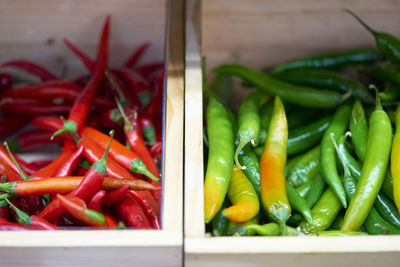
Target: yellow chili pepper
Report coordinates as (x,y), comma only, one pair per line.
(243,197)
(272,168)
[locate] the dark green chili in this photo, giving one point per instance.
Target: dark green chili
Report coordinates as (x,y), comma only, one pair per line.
(386,73)
(220,223)
(305,168)
(303,96)
(249,122)
(324,79)
(337,223)
(332,60)
(359,129)
(373,170)
(328,155)
(316,190)
(307,136)
(385,42)
(298,203)
(304,189)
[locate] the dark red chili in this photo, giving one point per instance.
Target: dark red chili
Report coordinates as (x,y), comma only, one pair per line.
(32,139)
(11,124)
(32,68)
(6,81)
(146,70)
(33,107)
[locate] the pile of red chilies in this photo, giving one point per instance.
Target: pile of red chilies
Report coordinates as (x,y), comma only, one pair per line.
(97,180)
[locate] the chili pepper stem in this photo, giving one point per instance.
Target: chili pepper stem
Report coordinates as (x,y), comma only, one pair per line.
(378,105)
(101,165)
(138,166)
(69,127)
(346,96)
(23,175)
(365,25)
(281,215)
(239,148)
(7,187)
(23,217)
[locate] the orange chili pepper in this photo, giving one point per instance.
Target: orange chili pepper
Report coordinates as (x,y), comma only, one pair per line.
(272,168)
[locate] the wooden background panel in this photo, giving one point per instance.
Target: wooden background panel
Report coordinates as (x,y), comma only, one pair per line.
(262,33)
(34,30)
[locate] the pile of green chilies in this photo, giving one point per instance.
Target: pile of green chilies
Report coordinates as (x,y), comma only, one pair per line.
(313,150)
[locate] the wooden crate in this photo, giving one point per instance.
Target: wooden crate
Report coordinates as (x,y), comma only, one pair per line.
(259,34)
(34,30)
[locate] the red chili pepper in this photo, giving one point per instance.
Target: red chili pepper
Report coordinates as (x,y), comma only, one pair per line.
(9,173)
(32,68)
(147,69)
(132,213)
(10,226)
(11,124)
(137,83)
(32,139)
(95,202)
(79,171)
(41,163)
(7,161)
(86,60)
(120,153)
(54,89)
(33,107)
(6,81)
(156,151)
(137,145)
(33,221)
(135,56)
(70,163)
(80,109)
(114,196)
(77,208)
(49,171)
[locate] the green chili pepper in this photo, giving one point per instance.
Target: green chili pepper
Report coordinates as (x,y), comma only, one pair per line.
(324,79)
(383,204)
(323,213)
(304,189)
(220,223)
(373,170)
(328,156)
(239,229)
(291,162)
(270,229)
(220,158)
(307,136)
(301,116)
(332,60)
(386,73)
(385,42)
(302,96)
(337,223)
(392,93)
(359,129)
(249,122)
(252,168)
(265,118)
(340,233)
(258,151)
(298,203)
(295,220)
(222,88)
(374,223)
(387,185)
(316,190)
(305,168)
